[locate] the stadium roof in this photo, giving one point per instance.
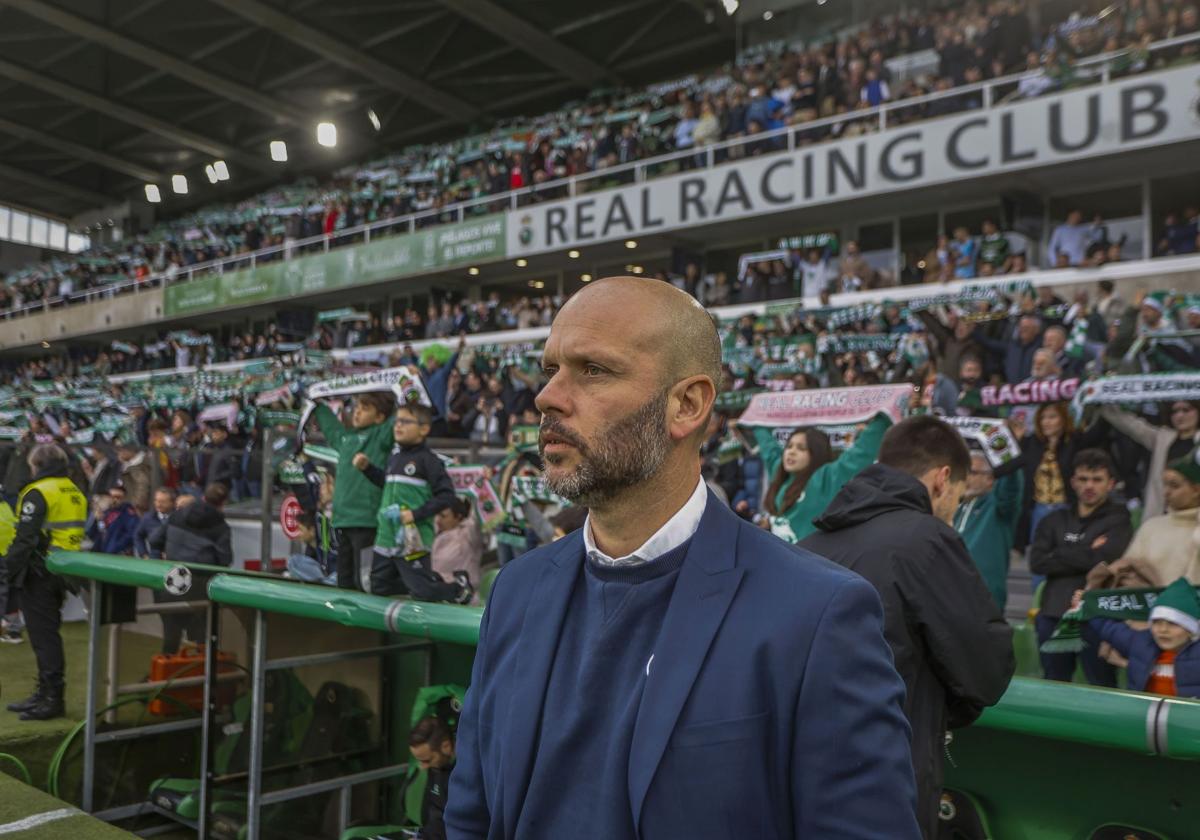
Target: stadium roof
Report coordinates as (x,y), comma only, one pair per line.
(102,96)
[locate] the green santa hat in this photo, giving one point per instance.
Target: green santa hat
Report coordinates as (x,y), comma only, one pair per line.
(1178,604)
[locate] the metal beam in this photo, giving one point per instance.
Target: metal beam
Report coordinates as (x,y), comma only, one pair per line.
(92,199)
(528,38)
(112,40)
(639,33)
(557,32)
(78,151)
(374,41)
(351,57)
(116,110)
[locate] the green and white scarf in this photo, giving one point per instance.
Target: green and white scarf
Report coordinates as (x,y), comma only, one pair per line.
(1114,604)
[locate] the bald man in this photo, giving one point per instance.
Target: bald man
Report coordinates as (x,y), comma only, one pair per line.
(669,671)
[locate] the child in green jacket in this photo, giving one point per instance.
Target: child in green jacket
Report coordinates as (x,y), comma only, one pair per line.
(355,498)
(805,476)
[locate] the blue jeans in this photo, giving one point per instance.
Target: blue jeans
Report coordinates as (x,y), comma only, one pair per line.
(303,567)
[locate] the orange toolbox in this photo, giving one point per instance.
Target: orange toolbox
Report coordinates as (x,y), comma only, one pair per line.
(189,662)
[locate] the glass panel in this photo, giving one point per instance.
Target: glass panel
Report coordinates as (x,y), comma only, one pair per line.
(77,242)
(5,218)
(39,231)
(20,227)
(58,236)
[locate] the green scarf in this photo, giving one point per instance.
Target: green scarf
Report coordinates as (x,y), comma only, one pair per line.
(1114,604)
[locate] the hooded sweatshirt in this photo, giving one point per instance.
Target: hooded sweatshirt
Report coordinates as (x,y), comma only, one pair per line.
(950,643)
(1062,550)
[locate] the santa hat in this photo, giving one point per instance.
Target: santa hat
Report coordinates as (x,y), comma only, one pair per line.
(1178,604)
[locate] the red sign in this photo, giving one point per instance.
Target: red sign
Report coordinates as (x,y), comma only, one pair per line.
(289,516)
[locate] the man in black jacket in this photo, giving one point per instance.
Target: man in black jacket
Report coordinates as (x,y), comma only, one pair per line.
(1068,543)
(951,645)
(195,533)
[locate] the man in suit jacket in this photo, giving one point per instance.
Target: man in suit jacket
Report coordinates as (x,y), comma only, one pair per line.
(669,670)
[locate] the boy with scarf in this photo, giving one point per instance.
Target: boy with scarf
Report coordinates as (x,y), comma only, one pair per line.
(1165,658)
(355,499)
(414,489)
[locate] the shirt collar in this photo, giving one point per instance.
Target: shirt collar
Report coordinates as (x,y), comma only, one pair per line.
(678,529)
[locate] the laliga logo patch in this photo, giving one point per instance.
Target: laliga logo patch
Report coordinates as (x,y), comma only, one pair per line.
(27,507)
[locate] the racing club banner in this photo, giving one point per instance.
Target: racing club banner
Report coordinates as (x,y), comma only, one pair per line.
(827,406)
(1138,112)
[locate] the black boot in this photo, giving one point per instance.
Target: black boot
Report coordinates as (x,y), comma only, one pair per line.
(49,706)
(29,702)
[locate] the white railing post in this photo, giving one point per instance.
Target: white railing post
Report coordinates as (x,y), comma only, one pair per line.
(327,238)
(366,234)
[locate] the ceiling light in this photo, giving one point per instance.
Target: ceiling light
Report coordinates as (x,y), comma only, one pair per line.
(536,284)
(211,173)
(768,14)
(278,150)
(179,184)
(731,6)
(45,345)
(221,169)
(374,118)
(473,271)
(152,194)
(521,263)
(327,134)
(630,243)
(573,254)
(637,269)
(586,278)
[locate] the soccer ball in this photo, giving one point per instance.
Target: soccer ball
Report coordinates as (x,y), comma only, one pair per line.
(178,580)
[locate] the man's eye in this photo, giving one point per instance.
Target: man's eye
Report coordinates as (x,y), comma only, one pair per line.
(593,370)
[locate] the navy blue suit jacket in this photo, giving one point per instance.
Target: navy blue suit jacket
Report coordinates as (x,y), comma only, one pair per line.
(771,710)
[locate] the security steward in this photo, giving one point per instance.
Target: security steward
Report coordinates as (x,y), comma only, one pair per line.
(50,516)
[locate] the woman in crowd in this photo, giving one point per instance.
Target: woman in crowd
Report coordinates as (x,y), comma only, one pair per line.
(1046,456)
(805,476)
(1166,444)
(1166,547)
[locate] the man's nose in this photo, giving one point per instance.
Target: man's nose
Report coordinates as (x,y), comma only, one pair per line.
(554,397)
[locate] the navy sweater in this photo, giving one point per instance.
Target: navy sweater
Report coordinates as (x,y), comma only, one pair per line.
(580,779)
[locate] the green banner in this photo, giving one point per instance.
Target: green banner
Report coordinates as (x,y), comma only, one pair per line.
(384,259)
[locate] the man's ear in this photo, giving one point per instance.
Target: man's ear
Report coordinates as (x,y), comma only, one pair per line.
(689,406)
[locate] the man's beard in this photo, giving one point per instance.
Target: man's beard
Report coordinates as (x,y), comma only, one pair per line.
(625,453)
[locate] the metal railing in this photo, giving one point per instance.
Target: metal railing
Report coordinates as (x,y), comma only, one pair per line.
(1092,70)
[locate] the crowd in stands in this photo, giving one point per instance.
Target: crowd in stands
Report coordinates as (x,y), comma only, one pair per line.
(783,85)
(1107,498)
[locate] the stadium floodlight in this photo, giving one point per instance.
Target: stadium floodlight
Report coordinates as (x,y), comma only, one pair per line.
(473,271)
(211,173)
(374,118)
(731,6)
(221,169)
(631,244)
(152,194)
(573,254)
(521,263)
(327,134)
(179,184)
(586,278)
(278,151)
(768,14)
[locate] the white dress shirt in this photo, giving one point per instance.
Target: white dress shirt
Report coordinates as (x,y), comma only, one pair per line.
(678,529)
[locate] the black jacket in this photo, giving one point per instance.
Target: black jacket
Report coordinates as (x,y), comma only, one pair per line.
(426,465)
(1062,550)
(950,643)
(433,807)
(196,534)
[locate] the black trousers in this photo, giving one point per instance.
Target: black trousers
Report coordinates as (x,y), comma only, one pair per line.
(175,624)
(351,544)
(42,596)
(398,576)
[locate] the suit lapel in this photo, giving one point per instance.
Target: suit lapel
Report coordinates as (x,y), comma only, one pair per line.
(707,583)
(540,632)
